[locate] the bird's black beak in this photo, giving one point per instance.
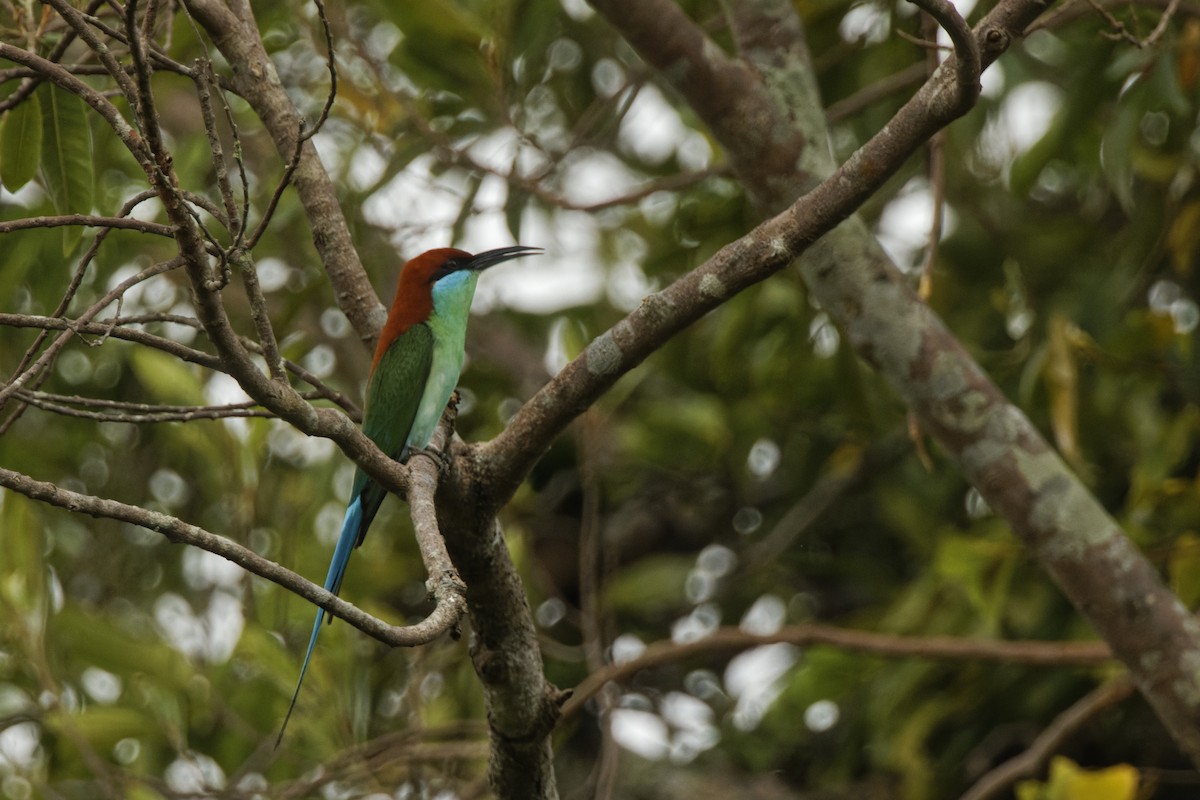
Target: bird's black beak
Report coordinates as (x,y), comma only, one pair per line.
(491,258)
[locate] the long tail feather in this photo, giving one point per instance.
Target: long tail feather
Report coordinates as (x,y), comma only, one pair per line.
(333,583)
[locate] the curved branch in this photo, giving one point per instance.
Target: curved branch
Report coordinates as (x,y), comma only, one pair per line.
(967,65)
(731,640)
(180,532)
(896,82)
(449,592)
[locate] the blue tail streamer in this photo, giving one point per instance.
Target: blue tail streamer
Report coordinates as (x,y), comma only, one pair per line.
(333,583)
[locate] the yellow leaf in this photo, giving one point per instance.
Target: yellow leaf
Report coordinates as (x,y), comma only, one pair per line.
(1069,781)
(1062,384)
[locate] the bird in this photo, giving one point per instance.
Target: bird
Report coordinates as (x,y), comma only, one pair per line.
(417,362)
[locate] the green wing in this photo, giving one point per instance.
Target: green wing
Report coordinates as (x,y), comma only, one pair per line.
(393,394)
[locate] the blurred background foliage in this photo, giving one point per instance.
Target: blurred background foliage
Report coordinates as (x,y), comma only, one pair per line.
(1067,266)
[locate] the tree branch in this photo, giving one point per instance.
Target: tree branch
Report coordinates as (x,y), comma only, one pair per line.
(180,532)
(113,295)
(444,581)
(87,221)
(255,79)
(999,450)
(728,640)
(135,413)
(1030,761)
(770,247)
(116,328)
(522,706)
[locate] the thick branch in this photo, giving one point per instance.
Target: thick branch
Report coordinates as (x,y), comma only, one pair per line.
(756,256)
(522,706)
(1000,451)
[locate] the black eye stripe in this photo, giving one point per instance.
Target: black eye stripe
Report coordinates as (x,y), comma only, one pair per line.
(453,265)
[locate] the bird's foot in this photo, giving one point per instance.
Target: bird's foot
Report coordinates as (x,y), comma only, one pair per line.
(440,458)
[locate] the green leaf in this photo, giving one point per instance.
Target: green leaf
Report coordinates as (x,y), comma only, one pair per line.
(514,207)
(21,143)
(982,568)
(467,209)
(66,158)
(23,572)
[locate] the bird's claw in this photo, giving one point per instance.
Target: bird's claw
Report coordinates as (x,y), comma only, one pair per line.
(440,458)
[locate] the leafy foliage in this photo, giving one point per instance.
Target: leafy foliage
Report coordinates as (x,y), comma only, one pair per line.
(1068,267)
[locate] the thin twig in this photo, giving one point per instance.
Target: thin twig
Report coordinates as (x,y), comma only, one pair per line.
(136,413)
(595,562)
(111,296)
(115,328)
(304,133)
(1030,761)
(79,23)
(331,66)
(258,313)
(946,648)
(65,302)
(87,221)
(1120,31)
(22,92)
(155,52)
(839,477)
(205,82)
(928,44)
(284,182)
(895,83)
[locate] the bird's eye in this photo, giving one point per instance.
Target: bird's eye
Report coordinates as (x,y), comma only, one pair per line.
(451,265)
